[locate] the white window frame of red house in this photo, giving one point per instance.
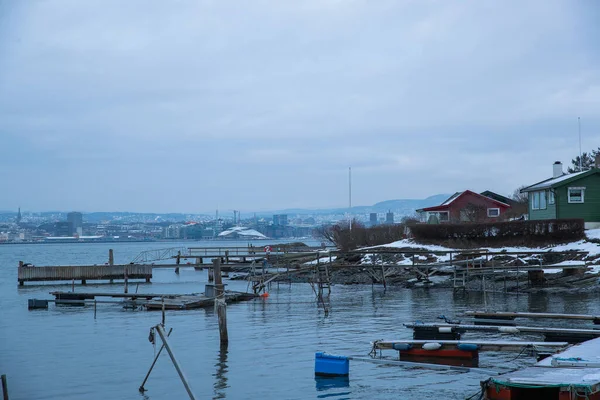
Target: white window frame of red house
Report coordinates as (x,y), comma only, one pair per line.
(493,216)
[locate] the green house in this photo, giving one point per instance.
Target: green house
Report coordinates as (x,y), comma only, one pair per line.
(566,196)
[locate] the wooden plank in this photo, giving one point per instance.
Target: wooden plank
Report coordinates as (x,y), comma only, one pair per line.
(531,315)
(506,329)
(482,344)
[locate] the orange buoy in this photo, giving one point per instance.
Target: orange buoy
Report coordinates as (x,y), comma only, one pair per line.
(265,294)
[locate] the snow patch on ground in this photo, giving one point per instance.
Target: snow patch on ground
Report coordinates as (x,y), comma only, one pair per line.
(592,248)
(593,234)
(321,260)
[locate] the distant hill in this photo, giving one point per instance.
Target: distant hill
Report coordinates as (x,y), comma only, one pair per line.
(400,207)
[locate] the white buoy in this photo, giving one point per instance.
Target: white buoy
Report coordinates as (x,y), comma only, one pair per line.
(432,346)
(508,329)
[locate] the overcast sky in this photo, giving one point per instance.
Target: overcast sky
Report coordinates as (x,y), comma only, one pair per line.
(185,106)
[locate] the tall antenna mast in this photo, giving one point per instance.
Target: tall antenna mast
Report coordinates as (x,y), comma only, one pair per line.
(350,195)
(579,127)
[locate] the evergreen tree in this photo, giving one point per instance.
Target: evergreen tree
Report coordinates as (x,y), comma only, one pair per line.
(587,161)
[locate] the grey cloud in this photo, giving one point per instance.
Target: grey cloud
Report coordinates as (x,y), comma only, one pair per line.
(420,97)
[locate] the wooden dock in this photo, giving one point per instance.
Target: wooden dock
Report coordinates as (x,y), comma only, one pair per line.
(481,345)
(572,374)
(154,301)
(550,334)
(83,273)
(513,315)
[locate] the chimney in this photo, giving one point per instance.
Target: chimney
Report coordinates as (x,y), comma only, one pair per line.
(557,169)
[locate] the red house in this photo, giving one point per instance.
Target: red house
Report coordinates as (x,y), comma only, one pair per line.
(466,206)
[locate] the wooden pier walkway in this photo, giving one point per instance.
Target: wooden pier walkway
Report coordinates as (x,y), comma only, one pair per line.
(83,273)
(154,301)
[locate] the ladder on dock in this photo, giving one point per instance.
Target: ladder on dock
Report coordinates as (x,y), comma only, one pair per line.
(460,279)
(321,285)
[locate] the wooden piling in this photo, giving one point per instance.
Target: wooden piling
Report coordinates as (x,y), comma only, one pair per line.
(536,277)
(126,281)
(178,261)
(222,315)
(21,281)
(4,387)
(220,304)
(211,274)
(111,257)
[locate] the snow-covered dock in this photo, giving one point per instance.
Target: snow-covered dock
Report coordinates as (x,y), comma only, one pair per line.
(571,374)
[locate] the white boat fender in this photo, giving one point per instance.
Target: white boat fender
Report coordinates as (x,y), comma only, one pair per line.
(508,329)
(445,329)
(432,346)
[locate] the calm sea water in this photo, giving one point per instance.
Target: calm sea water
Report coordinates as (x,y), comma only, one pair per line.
(64,353)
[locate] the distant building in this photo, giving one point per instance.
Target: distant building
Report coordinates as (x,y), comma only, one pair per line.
(280,219)
(19,216)
(75,220)
(373,219)
(172,232)
(389,218)
(240,232)
(62,229)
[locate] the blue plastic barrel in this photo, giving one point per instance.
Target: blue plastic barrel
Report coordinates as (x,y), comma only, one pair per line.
(330,365)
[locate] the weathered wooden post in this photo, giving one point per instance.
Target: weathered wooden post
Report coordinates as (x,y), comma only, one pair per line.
(126,281)
(21,282)
(111,257)
(220,304)
(226,256)
(178,261)
(4,387)
(536,277)
(383,273)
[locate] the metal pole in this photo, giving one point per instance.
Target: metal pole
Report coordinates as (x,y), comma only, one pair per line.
(161,333)
(154,362)
(350,195)
(579,128)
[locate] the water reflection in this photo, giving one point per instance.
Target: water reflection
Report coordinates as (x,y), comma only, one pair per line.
(221,375)
(330,384)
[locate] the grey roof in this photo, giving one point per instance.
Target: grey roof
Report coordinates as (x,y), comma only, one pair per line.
(553,181)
